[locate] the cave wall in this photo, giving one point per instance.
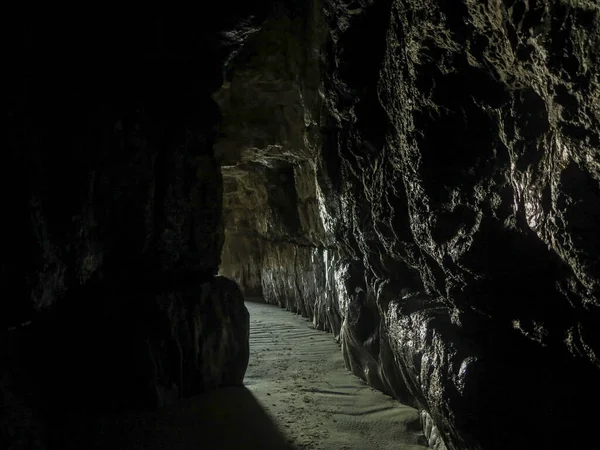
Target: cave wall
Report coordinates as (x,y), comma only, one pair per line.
(109,298)
(268,144)
(453,243)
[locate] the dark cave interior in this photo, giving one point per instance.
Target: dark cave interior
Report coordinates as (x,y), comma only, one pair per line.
(419,178)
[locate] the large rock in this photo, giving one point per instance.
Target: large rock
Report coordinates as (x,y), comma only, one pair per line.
(134,350)
(120,354)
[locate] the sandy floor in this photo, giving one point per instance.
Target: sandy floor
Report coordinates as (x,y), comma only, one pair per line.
(297,374)
(297,395)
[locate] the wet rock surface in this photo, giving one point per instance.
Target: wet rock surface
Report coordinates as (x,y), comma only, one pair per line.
(453,244)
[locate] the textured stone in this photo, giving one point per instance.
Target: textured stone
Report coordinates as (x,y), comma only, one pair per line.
(161,346)
(456,194)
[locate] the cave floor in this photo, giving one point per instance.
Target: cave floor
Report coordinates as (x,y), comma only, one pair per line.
(297,375)
(297,395)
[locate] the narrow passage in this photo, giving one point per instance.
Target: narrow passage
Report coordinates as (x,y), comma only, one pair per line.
(297,375)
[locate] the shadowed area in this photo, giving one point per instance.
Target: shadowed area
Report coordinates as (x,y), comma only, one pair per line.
(297,395)
(227,418)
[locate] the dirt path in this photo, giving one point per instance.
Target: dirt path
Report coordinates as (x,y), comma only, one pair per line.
(297,374)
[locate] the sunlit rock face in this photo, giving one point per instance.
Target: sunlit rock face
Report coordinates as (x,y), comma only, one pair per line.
(113,208)
(453,242)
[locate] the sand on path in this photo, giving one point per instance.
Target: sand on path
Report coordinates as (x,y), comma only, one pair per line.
(297,374)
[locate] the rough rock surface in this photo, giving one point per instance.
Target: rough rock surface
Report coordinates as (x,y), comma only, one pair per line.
(161,347)
(112,201)
(453,247)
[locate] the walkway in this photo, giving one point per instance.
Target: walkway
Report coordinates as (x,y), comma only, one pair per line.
(297,374)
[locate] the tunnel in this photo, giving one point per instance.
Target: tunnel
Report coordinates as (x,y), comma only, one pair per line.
(308,224)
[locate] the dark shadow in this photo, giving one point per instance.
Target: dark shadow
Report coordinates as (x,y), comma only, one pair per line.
(227,418)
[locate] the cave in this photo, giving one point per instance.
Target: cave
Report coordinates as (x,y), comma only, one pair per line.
(316,224)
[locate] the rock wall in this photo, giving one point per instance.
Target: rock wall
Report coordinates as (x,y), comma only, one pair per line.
(273,246)
(113,216)
(268,143)
(453,150)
